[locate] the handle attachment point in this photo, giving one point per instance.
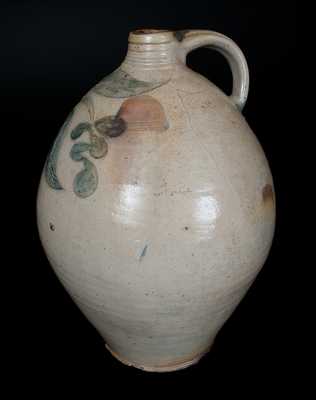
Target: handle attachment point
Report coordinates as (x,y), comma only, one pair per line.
(190,40)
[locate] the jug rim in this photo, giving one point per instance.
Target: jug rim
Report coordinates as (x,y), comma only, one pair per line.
(151,36)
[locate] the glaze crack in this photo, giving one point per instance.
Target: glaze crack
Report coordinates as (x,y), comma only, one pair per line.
(208,154)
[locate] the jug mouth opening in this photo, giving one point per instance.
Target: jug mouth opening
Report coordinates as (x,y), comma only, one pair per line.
(149,31)
(151,36)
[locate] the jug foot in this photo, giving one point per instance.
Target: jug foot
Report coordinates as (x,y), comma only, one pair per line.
(160,368)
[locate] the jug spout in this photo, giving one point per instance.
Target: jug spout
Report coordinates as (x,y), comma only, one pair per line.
(151,54)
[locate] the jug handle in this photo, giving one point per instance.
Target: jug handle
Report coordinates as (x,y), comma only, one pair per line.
(192,39)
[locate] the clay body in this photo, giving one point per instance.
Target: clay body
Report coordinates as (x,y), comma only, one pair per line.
(156,206)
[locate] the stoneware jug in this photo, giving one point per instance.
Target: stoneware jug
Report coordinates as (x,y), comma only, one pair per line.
(156,206)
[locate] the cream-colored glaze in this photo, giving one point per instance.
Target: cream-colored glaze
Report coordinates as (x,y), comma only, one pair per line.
(182,219)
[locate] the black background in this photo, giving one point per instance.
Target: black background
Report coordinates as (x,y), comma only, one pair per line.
(51,54)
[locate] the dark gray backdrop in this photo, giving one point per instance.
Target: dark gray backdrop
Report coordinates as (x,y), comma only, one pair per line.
(51,54)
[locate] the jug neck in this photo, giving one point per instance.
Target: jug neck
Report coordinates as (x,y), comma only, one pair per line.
(150,51)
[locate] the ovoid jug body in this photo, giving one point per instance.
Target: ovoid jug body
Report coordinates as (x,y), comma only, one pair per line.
(156,205)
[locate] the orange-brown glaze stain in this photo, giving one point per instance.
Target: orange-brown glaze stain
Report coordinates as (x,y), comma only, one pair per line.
(142,113)
(267,195)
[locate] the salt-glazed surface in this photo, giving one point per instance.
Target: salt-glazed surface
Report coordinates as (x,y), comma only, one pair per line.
(156,206)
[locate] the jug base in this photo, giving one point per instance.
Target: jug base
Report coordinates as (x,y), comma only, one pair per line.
(160,368)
